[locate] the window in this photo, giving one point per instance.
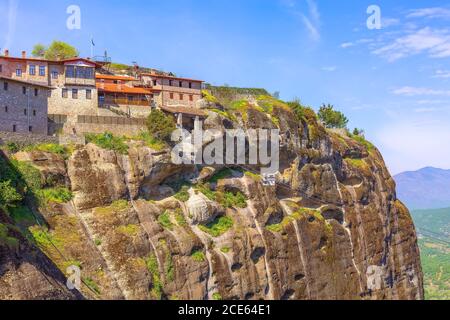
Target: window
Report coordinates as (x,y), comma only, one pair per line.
(32,70)
(89,74)
(181,96)
(70,71)
(24,112)
(6,109)
(34,113)
(36,92)
(181,84)
(80,72)
(171,95)
(170,82)
(74,93)
(30,128)
(55,74)
(65,93)
(19,72)
(88,94)
(24,90)
(155,83)
(190,85)
(42,71)
(1,68)
(5,86)
(191,98)
(14,128)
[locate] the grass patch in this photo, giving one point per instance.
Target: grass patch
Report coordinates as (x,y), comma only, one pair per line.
(220,175)
(151,141)
(217,296)
(55,195)
(50,148)
(198,256)
(183,194)
(92,285)
(157,287)
(180,219)
(109,142)
(362,140)
(225,249)
(231,200)
(130,230)
(165,221)
(218,227)
(252,175)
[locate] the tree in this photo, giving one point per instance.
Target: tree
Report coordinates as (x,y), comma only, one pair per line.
(332,118)
(59,50)
(8,195)
(301,111)
(160,125)
(358,132)
(39,51)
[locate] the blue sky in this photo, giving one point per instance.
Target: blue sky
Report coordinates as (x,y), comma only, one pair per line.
(393,82)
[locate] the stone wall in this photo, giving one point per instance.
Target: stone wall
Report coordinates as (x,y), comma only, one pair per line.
(24,139)
(21,111)
(58,104)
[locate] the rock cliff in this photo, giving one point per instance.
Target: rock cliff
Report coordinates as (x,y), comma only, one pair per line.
(142,228)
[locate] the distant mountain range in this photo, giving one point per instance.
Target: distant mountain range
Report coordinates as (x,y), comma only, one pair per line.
(427,188)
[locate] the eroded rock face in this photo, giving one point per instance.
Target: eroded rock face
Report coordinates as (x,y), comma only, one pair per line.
(26,273)
(332,228)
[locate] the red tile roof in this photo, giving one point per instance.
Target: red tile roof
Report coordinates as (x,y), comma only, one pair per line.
(114,77)
(115,88)
(168,77)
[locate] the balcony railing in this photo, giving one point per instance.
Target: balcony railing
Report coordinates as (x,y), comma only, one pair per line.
(124,101)
(80,81)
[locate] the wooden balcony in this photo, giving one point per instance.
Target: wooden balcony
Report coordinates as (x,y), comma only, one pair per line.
(124,102)
(79,81)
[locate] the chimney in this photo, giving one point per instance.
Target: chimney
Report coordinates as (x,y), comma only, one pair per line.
(6,53)
(24,54)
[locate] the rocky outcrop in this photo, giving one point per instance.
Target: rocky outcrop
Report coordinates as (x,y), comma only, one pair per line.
(25,272)
(332,227)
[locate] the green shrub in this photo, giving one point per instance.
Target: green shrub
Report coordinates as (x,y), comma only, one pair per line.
(48,147)
(151,141)
(8,195)
(12,147)
(183,194)
(217,296)
(164,221)
(198,256)
(231,200)
(55,195)
(221,174)
(160,125)
(332,118)
(218,227)
(109,142)
(225,249)
(157,286)
(6,240)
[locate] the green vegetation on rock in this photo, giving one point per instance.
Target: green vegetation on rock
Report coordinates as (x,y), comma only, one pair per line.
(160,125)
(198,256)
(157,285)
(218,227)
(165,221)
(109,142)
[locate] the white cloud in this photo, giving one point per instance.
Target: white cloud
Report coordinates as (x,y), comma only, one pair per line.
(434,42)
(442,74)
(346,45)
(432,13)
(389,22)
(418,91)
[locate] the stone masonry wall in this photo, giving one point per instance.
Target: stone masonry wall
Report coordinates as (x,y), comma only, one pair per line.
(23,110)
